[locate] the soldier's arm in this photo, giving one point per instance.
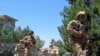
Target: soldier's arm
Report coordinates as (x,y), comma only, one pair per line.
(70,28)
(24,39)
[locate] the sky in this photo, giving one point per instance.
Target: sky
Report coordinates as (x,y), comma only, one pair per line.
(42,16)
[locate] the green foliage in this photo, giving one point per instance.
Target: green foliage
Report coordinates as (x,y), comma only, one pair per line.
(92,8)
(61,51)
(60,45)
(14,35)
(39,42)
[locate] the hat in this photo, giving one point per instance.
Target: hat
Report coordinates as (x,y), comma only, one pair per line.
(80,13)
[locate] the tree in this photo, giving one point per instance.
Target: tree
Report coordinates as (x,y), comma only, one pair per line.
(12,36)
(19,33)
(92,9)
(39,42)
(8,37)
(60,45)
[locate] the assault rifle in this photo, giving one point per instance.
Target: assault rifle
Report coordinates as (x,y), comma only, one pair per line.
(78,28)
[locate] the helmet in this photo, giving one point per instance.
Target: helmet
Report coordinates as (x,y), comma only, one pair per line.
(31,32)
(80,13)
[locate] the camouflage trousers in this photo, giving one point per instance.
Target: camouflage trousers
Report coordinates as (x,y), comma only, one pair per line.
(77,49)
(20,53)
(25,52)
(76,46)
(28,51)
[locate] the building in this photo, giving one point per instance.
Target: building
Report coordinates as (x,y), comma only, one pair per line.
(10,24)
(51,51)
(8,21)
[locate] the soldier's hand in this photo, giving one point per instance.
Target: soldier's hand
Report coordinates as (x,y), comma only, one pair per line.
(80,34)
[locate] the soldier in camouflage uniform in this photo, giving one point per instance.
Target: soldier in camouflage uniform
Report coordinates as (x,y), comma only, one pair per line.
(77,32)
(29,43)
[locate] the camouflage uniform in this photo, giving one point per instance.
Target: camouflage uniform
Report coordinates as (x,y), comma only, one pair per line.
(75,39)
(29,43)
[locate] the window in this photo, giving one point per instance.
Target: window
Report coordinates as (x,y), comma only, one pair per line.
(9,28)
